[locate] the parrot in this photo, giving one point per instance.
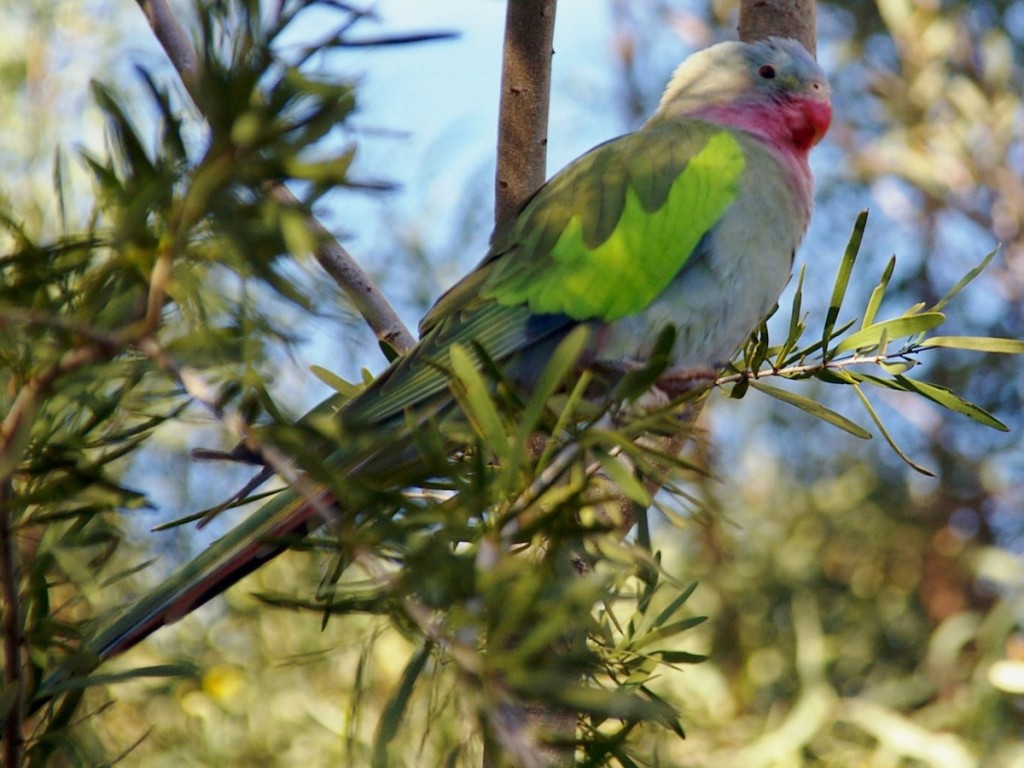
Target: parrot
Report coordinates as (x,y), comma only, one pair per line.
(691,221)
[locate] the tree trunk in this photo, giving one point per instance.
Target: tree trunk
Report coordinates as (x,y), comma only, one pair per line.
(781,18)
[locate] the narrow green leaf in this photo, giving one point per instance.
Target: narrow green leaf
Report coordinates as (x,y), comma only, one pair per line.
(848,376)
(843,277)
(395,709)
(335,382)
(895,369)
(965,281)
(883,342)
(296,232)
(556,372)
(878,293)
(952,401)
(674,723)
(756,351)
(572,402)
(796,324)
(51,689)
(669,611)
(476,401)
(794,312)
(913,309)
(680,657)
(624,479)
(894,329)
(613,704)
(61,190)
(669,630)
(739,389)
(885,433)
(977,344)
(330,171)
(814,408)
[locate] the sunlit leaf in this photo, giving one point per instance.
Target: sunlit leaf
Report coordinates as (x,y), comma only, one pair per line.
(554,375)
(896,328)
(335,382)
(964,281)
(814,408)
(885,433)
(842,280)
(952,401)
(477,402)
(875,300)
(977,344)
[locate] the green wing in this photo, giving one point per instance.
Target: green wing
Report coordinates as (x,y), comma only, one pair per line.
(625,221)
(598,242)
(420,376)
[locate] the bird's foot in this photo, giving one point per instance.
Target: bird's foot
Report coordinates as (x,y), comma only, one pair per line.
(678,383)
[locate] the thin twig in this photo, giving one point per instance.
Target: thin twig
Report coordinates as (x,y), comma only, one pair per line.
(22,411)
(523,111)
(805,369)
(13,638)
(365,296)
(202,392)
(174,40)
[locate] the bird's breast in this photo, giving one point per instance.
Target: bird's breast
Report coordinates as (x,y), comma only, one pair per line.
(732,280)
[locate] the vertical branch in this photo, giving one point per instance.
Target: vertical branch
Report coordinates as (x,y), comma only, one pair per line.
(784,18)
(13,641)
(523,111)
(521,170)
(173,39)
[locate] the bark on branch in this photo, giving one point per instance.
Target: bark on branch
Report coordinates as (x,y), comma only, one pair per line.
(523,112)
(782,18)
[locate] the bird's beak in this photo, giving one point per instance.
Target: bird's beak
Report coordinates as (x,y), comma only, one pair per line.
(819,118)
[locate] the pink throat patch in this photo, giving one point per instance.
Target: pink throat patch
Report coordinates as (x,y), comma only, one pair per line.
(792,126)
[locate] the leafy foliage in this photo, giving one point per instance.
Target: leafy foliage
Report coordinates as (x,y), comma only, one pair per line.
(835,359)
(102,326)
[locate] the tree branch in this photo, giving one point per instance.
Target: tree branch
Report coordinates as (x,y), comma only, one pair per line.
(783,18)
(13,639)
(521,170)
(523,110)
(365,296)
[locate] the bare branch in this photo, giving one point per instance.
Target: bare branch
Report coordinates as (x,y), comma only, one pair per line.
(361,291)
(174,40)
(523,112)
(783,18)
(365,296)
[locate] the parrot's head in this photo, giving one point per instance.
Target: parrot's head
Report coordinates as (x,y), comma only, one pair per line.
(771,88)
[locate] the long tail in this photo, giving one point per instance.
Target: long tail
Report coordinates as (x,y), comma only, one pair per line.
(258,539)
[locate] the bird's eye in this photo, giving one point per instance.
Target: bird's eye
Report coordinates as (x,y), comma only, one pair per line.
(767,71)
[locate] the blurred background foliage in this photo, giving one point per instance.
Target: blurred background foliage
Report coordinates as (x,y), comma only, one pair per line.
(860,614)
